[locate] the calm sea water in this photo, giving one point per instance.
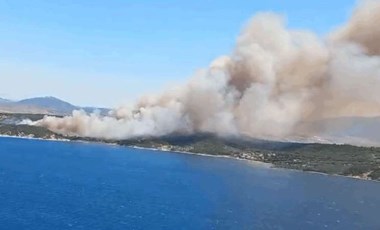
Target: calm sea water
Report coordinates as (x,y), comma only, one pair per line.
(57,185)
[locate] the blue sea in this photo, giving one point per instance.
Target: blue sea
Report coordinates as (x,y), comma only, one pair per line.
(68,185)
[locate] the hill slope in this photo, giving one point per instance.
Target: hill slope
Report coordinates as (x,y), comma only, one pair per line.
(54,105)
(44,105)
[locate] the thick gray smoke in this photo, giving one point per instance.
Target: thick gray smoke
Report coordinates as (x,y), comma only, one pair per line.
(275,80)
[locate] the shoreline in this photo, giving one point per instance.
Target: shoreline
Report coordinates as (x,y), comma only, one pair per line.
(251,162)
(34,138)
(257,163)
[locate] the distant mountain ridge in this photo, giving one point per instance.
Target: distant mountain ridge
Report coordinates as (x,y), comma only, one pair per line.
(3,100)
(45,105)
(53,104)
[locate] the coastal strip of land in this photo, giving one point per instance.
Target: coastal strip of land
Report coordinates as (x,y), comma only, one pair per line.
(333,159)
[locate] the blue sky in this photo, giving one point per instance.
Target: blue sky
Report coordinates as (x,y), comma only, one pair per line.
(107,53)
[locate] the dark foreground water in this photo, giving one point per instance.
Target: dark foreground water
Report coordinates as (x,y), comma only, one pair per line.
(56,185)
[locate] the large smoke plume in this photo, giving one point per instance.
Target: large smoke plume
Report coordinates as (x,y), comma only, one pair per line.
(275,80)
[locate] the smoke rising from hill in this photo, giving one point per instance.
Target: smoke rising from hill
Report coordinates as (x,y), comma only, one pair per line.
(274,80)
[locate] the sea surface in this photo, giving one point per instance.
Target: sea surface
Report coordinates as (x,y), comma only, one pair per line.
(68,185)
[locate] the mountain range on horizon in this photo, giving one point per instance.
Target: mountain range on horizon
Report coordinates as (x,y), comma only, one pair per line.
(44,105)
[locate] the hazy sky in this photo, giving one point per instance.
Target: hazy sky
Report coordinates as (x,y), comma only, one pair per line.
(106,53)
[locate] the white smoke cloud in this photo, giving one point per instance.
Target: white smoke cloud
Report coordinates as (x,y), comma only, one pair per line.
(274,79)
